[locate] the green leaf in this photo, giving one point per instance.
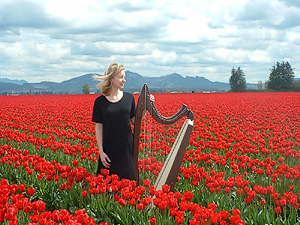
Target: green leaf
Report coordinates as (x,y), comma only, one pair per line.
(117,217)
(72,209)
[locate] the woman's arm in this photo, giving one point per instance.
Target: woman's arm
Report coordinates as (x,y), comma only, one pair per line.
(99,135)
(133,118)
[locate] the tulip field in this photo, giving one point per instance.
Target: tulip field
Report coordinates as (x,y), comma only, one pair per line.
(242,164)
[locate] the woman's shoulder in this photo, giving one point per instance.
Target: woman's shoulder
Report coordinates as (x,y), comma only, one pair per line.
(100,98)
(128,95)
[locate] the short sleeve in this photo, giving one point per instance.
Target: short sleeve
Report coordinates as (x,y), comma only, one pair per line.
(97,112)
(132,111)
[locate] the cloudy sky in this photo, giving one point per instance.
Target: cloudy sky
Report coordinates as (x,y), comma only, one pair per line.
(55,40)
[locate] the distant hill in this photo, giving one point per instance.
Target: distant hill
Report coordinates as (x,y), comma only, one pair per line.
(134,82)
(5,80)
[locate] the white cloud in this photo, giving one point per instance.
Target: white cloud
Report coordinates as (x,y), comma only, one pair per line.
(57,40)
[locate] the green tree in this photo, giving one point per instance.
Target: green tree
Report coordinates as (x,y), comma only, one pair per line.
(281,77)
(237,80)
(86,89)
(297,85)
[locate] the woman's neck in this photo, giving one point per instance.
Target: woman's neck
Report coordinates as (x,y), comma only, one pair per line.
(114,92)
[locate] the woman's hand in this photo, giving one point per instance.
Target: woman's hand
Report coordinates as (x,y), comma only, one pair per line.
(152,99)
(104,159)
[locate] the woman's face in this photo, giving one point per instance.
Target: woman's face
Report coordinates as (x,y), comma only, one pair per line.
(118,80)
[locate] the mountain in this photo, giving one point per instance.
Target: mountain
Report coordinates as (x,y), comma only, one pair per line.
(174,82)
(134,82)
(5,80)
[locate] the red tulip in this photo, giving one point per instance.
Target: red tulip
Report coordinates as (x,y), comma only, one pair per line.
(30,190)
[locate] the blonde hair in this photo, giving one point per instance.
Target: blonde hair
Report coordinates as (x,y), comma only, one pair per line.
(105,80)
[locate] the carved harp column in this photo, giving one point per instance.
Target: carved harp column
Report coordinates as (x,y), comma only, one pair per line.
(170,169)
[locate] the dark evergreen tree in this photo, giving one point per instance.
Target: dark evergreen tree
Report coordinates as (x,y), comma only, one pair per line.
(237,80)
(281,77)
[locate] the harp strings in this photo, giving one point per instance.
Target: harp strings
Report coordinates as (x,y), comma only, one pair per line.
(155,146)
(148,143)
(146,159)
(143,153)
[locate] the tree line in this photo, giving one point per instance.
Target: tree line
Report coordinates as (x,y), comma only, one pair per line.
(281,78)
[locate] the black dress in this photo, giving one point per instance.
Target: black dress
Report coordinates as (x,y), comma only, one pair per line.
(117,133)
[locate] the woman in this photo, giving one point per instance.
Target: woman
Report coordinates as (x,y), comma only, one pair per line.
(112,113)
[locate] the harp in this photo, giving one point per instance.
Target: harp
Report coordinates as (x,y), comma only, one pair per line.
(170,169)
